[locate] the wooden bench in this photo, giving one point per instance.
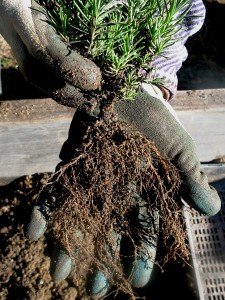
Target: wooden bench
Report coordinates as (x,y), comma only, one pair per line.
(33,131)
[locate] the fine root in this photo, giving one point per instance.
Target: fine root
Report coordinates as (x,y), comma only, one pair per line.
(115,186)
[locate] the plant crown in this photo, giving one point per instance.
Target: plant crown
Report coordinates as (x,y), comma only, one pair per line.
(122,37)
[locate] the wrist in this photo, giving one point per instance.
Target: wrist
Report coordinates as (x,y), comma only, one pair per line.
(166,93)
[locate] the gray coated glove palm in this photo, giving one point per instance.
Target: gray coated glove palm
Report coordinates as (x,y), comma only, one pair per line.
(43,57)
(158,122)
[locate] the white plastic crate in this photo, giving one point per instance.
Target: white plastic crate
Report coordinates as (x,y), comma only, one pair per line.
(207,243)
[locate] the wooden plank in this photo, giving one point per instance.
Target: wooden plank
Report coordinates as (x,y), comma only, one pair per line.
(203,100)
(202,113)
(207,128)
(31,147)
(32,110)
(33,131)
(40,109)
(216,175)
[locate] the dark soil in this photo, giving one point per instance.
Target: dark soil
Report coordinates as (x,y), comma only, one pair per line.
(24,266)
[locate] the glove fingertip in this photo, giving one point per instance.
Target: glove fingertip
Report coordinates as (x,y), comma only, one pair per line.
(61,264)
(140,270)
(214,205)
(37,225)
(203,198)
(97,285)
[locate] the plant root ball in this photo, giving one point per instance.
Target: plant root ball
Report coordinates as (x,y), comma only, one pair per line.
(115,174)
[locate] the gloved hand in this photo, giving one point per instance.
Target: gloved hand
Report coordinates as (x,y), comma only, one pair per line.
(43,57)
(156,120)
(61,263)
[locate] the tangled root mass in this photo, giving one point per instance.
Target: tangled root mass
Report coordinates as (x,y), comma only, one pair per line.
(115,175)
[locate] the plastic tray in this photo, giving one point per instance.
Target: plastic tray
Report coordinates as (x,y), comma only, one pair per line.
(207,242)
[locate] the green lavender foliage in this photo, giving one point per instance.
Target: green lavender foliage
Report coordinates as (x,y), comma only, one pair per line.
(122,37)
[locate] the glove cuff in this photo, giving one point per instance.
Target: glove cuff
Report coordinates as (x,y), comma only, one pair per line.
(166,93)
(153,90)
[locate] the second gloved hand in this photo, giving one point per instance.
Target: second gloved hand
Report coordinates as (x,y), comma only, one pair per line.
(157,121)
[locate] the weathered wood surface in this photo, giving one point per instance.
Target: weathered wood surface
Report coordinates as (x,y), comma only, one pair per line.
(33,131)
(216,175)
(202,113)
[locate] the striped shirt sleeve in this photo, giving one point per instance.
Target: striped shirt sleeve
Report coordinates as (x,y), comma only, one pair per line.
(167,64)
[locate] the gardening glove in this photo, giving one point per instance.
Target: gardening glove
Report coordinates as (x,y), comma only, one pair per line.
(151,115)
(137,269)
(44,59)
